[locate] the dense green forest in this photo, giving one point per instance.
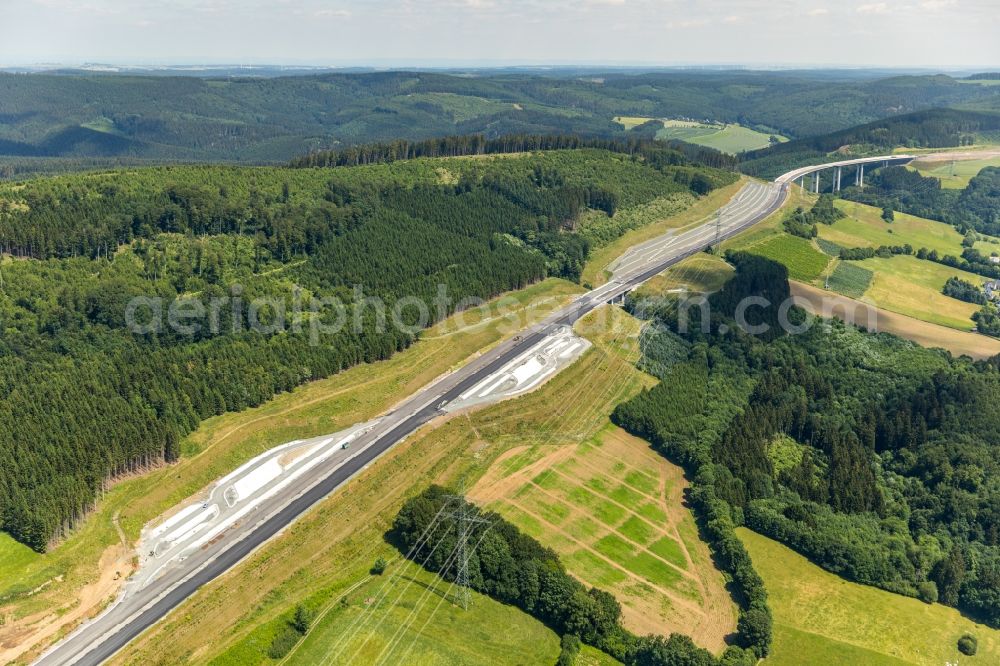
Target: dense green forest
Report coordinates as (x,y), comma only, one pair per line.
(656,153)
(934,128)
(514,568)
(79,115)
(84,397)
(873,456)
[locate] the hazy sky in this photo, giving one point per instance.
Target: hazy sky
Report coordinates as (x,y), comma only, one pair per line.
(907,33)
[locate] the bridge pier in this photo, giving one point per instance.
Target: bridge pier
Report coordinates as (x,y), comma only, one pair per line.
(836,186)
(816,185)
(861,175)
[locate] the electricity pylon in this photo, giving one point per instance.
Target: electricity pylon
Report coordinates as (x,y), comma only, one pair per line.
(464,520)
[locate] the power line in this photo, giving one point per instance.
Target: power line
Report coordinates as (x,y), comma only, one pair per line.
(464,520)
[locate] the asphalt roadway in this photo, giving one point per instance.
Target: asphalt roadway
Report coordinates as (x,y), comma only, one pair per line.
(138,608)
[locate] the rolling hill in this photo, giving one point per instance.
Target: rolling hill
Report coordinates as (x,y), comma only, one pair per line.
(266,119)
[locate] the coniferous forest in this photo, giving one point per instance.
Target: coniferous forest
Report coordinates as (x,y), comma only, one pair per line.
(84,398)
(870,455)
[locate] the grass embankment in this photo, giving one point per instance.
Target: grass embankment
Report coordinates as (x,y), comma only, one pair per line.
(702,273)
(329,549)
(595,272)
(410,616)
(822,618)
(71,579)
(772,225)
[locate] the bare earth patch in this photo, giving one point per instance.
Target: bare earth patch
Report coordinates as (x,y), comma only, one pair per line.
(17,639)
(958,155)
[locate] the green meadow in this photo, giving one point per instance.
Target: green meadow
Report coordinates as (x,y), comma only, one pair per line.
(820,618)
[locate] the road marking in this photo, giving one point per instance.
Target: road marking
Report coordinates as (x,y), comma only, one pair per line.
(685,244)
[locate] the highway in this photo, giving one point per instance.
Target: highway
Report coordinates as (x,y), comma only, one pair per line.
(886,160)
(192,559)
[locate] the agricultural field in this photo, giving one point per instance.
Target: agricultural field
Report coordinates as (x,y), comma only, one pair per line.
(849,279)
(822,618)
(954,175)
(614,511)
(900,284)
(912,287)
(805,263)
(349,527)
(41,594)
(825,303)
(730,138)
(864,227)
(631,122)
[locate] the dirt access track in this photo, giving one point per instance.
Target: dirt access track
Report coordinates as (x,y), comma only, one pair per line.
(115,566)
(958,156)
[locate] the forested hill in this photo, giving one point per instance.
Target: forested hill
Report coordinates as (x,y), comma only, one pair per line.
(83,397)
(75,115)
(652,151)
(871,455)
(934,128)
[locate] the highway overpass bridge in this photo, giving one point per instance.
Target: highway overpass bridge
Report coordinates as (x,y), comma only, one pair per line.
(837,171)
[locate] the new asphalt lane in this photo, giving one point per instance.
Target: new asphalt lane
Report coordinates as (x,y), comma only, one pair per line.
(140,607)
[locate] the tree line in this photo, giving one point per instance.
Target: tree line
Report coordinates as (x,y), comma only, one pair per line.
(803,223)
(515,569)
(659,153)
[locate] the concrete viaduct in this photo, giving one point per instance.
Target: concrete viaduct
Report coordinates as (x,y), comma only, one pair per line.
(857,165)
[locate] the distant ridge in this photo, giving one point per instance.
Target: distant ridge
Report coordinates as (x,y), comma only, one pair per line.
(239,116)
